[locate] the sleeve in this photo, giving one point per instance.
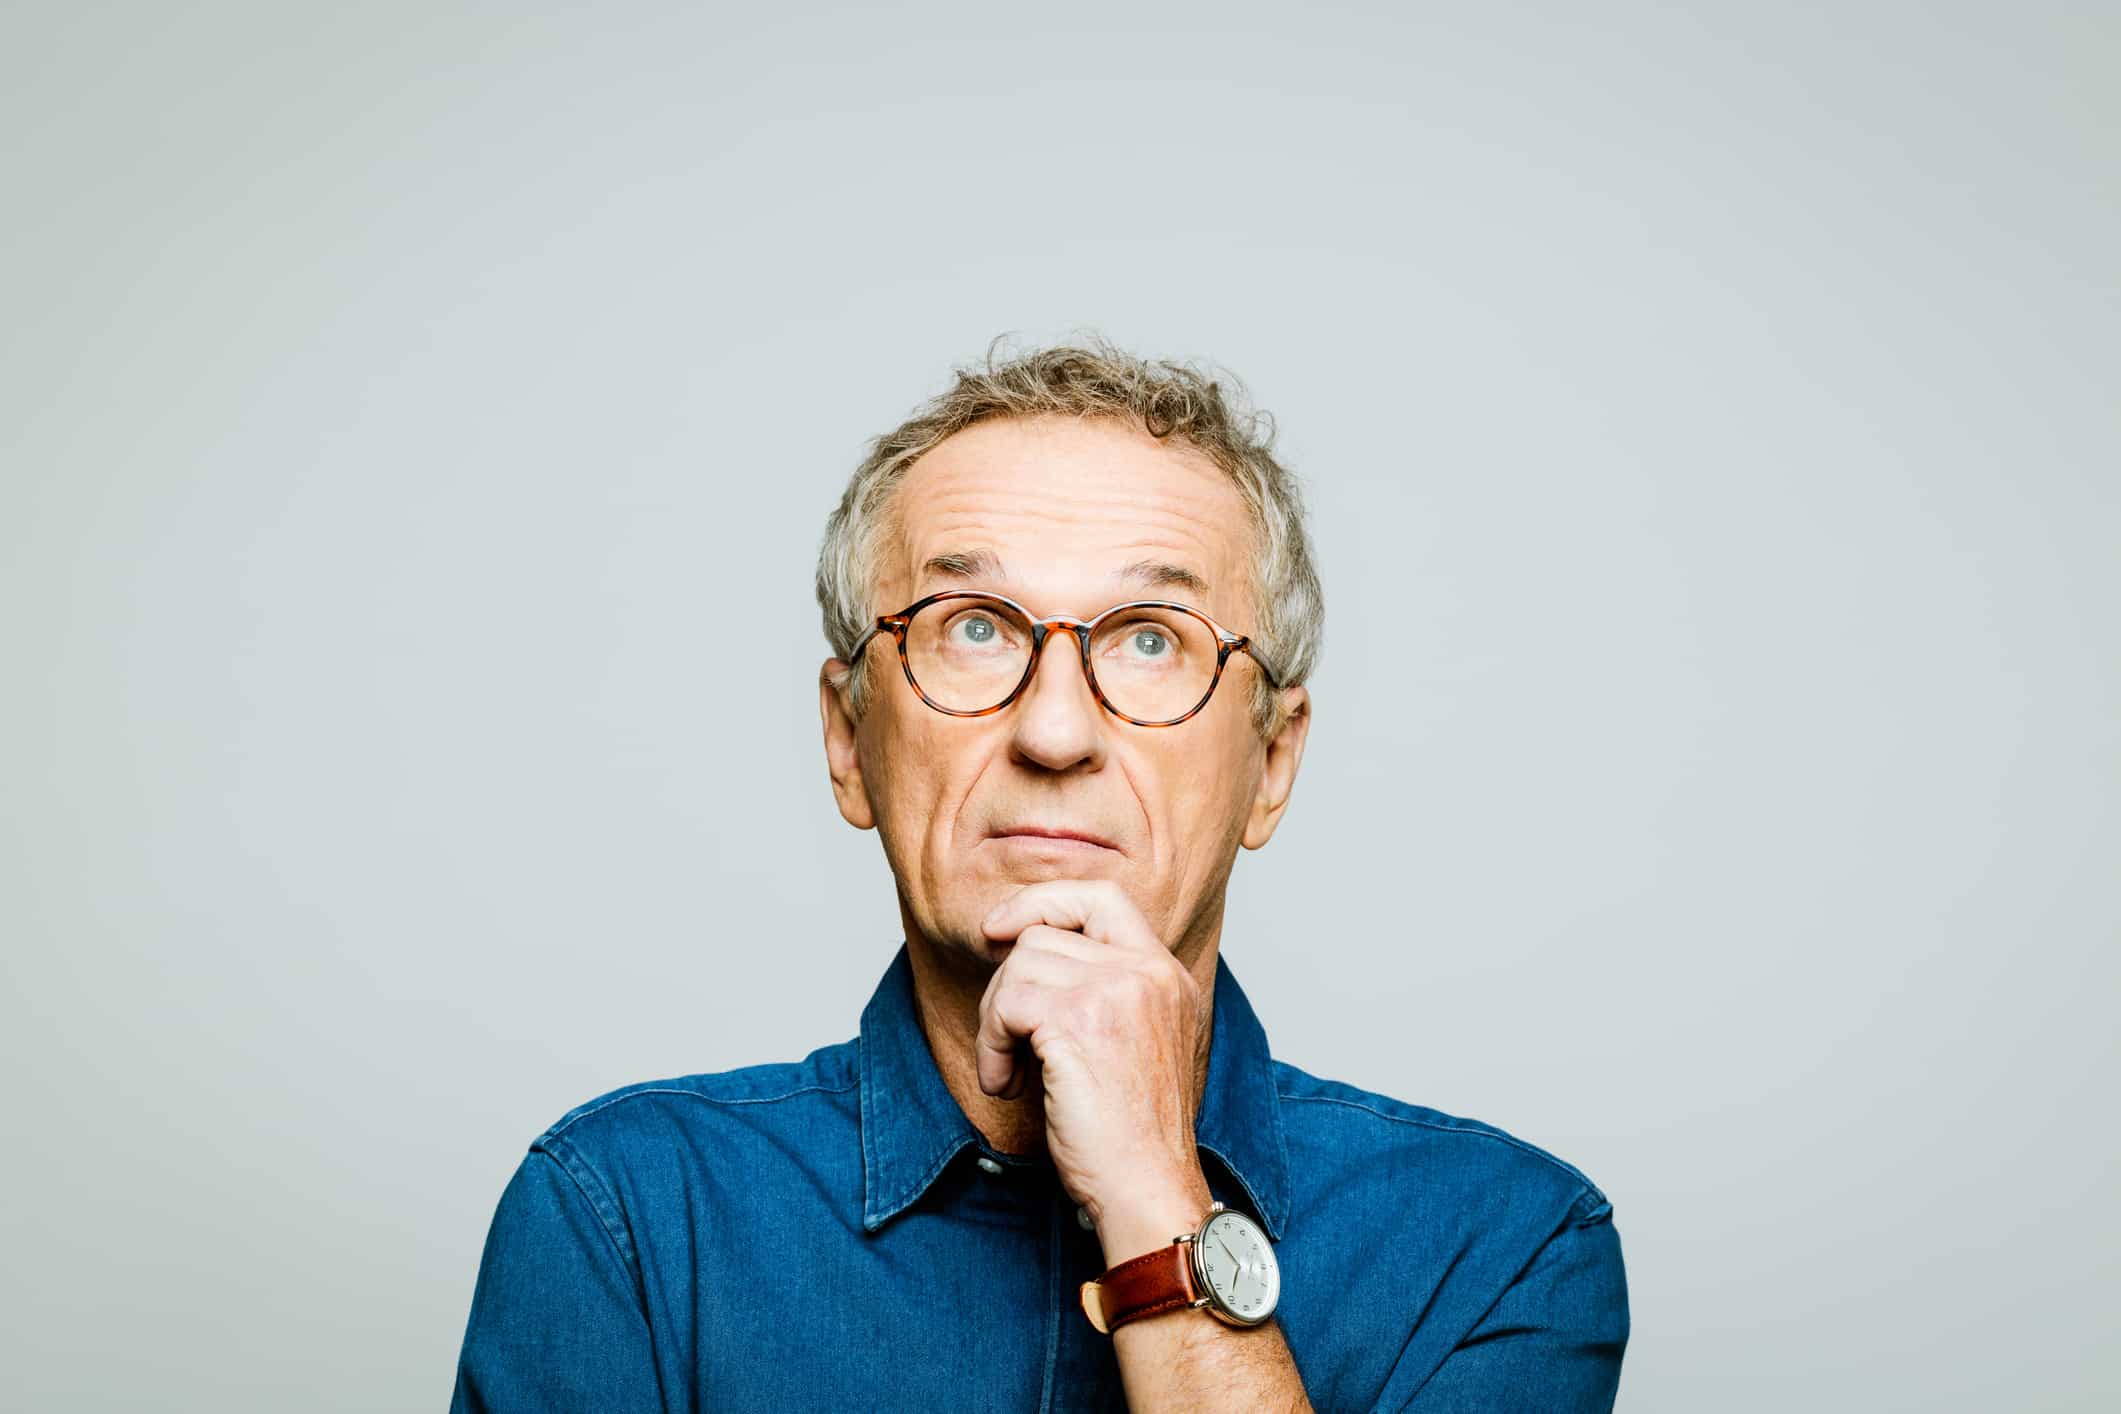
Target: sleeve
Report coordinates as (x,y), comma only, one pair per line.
(1552,1342)
(557,1321)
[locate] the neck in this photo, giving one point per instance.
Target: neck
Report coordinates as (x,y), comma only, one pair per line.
(948,984)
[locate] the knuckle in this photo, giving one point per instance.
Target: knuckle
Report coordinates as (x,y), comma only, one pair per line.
(1117,1004)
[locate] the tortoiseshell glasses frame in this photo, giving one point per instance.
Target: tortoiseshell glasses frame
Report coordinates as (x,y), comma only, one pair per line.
(1226,643)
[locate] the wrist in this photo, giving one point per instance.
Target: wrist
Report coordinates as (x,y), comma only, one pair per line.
(1146,1219)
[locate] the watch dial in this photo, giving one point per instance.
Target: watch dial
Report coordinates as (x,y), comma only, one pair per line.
(1240,1265)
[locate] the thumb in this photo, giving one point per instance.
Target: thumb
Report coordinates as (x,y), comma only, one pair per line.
(996,1051)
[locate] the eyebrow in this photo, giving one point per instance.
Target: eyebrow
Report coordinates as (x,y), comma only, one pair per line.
(985,564)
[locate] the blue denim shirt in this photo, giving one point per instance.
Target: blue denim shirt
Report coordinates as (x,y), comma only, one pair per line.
(834,1234)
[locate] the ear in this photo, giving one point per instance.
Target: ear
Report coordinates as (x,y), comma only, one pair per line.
(843,759)
(1285,752)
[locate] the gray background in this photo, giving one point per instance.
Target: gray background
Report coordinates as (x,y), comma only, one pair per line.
(418,426)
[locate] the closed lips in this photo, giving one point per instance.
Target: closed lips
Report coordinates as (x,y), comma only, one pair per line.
(1053,832)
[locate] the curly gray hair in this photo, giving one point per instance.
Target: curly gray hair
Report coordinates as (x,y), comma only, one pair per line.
(1166,399)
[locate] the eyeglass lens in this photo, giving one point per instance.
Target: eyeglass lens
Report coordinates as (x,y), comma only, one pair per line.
(1152,664)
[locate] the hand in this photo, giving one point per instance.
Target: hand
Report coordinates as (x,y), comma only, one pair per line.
(1116,1025)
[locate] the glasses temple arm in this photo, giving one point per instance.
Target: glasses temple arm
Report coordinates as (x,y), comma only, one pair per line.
(854,654)
(1245,646)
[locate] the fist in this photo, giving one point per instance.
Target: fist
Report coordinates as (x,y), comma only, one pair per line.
(1119,1032)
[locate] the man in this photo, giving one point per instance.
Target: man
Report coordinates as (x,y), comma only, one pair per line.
(1072,605)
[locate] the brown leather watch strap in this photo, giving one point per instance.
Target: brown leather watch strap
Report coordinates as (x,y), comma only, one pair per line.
(1147,1285)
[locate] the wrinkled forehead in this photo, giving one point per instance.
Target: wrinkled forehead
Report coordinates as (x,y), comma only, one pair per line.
(1069,516)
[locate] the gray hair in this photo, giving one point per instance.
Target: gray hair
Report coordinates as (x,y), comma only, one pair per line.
(1164,398)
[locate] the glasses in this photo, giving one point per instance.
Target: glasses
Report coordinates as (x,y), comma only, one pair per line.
(1149,662)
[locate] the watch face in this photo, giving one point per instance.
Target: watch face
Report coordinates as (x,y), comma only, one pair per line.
(1237,1263)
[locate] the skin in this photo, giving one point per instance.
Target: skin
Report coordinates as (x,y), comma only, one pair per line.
(1065,986)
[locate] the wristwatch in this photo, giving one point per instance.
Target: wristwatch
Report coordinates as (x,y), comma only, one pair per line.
(1226,1267)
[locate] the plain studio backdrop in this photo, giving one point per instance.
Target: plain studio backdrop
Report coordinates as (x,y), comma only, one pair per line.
(420,421)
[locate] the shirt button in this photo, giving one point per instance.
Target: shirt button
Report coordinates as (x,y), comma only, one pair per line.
(989,1165)
(1082,1220)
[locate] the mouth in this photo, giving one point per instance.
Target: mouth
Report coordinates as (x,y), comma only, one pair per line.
(1060,837)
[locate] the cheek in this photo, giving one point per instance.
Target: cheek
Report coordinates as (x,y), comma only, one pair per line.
(1202,797)
(917,760)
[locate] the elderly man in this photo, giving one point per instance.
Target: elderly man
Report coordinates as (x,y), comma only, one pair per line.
(1073,606)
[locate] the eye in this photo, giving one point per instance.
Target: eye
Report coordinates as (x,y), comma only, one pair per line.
(980,629)
(1147,641)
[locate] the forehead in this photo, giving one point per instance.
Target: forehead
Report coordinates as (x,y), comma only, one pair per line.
(1069,510)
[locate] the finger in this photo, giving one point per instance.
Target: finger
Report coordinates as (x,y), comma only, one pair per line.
(1044,964)
(1097,908)
(1009,1012)
(1040,945)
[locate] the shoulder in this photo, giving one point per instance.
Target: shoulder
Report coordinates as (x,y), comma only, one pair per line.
(1331,1124)
(661,1119)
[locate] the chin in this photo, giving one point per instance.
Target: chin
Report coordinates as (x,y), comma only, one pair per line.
(1036,871)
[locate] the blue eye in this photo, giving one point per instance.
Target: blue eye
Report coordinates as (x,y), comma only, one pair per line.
(1150,643)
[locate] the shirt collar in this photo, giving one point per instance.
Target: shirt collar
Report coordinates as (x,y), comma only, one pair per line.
(912,1126)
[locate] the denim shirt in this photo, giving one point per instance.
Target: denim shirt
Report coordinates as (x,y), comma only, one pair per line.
(833,1233)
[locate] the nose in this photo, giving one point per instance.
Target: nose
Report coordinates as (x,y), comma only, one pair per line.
(1058,724)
